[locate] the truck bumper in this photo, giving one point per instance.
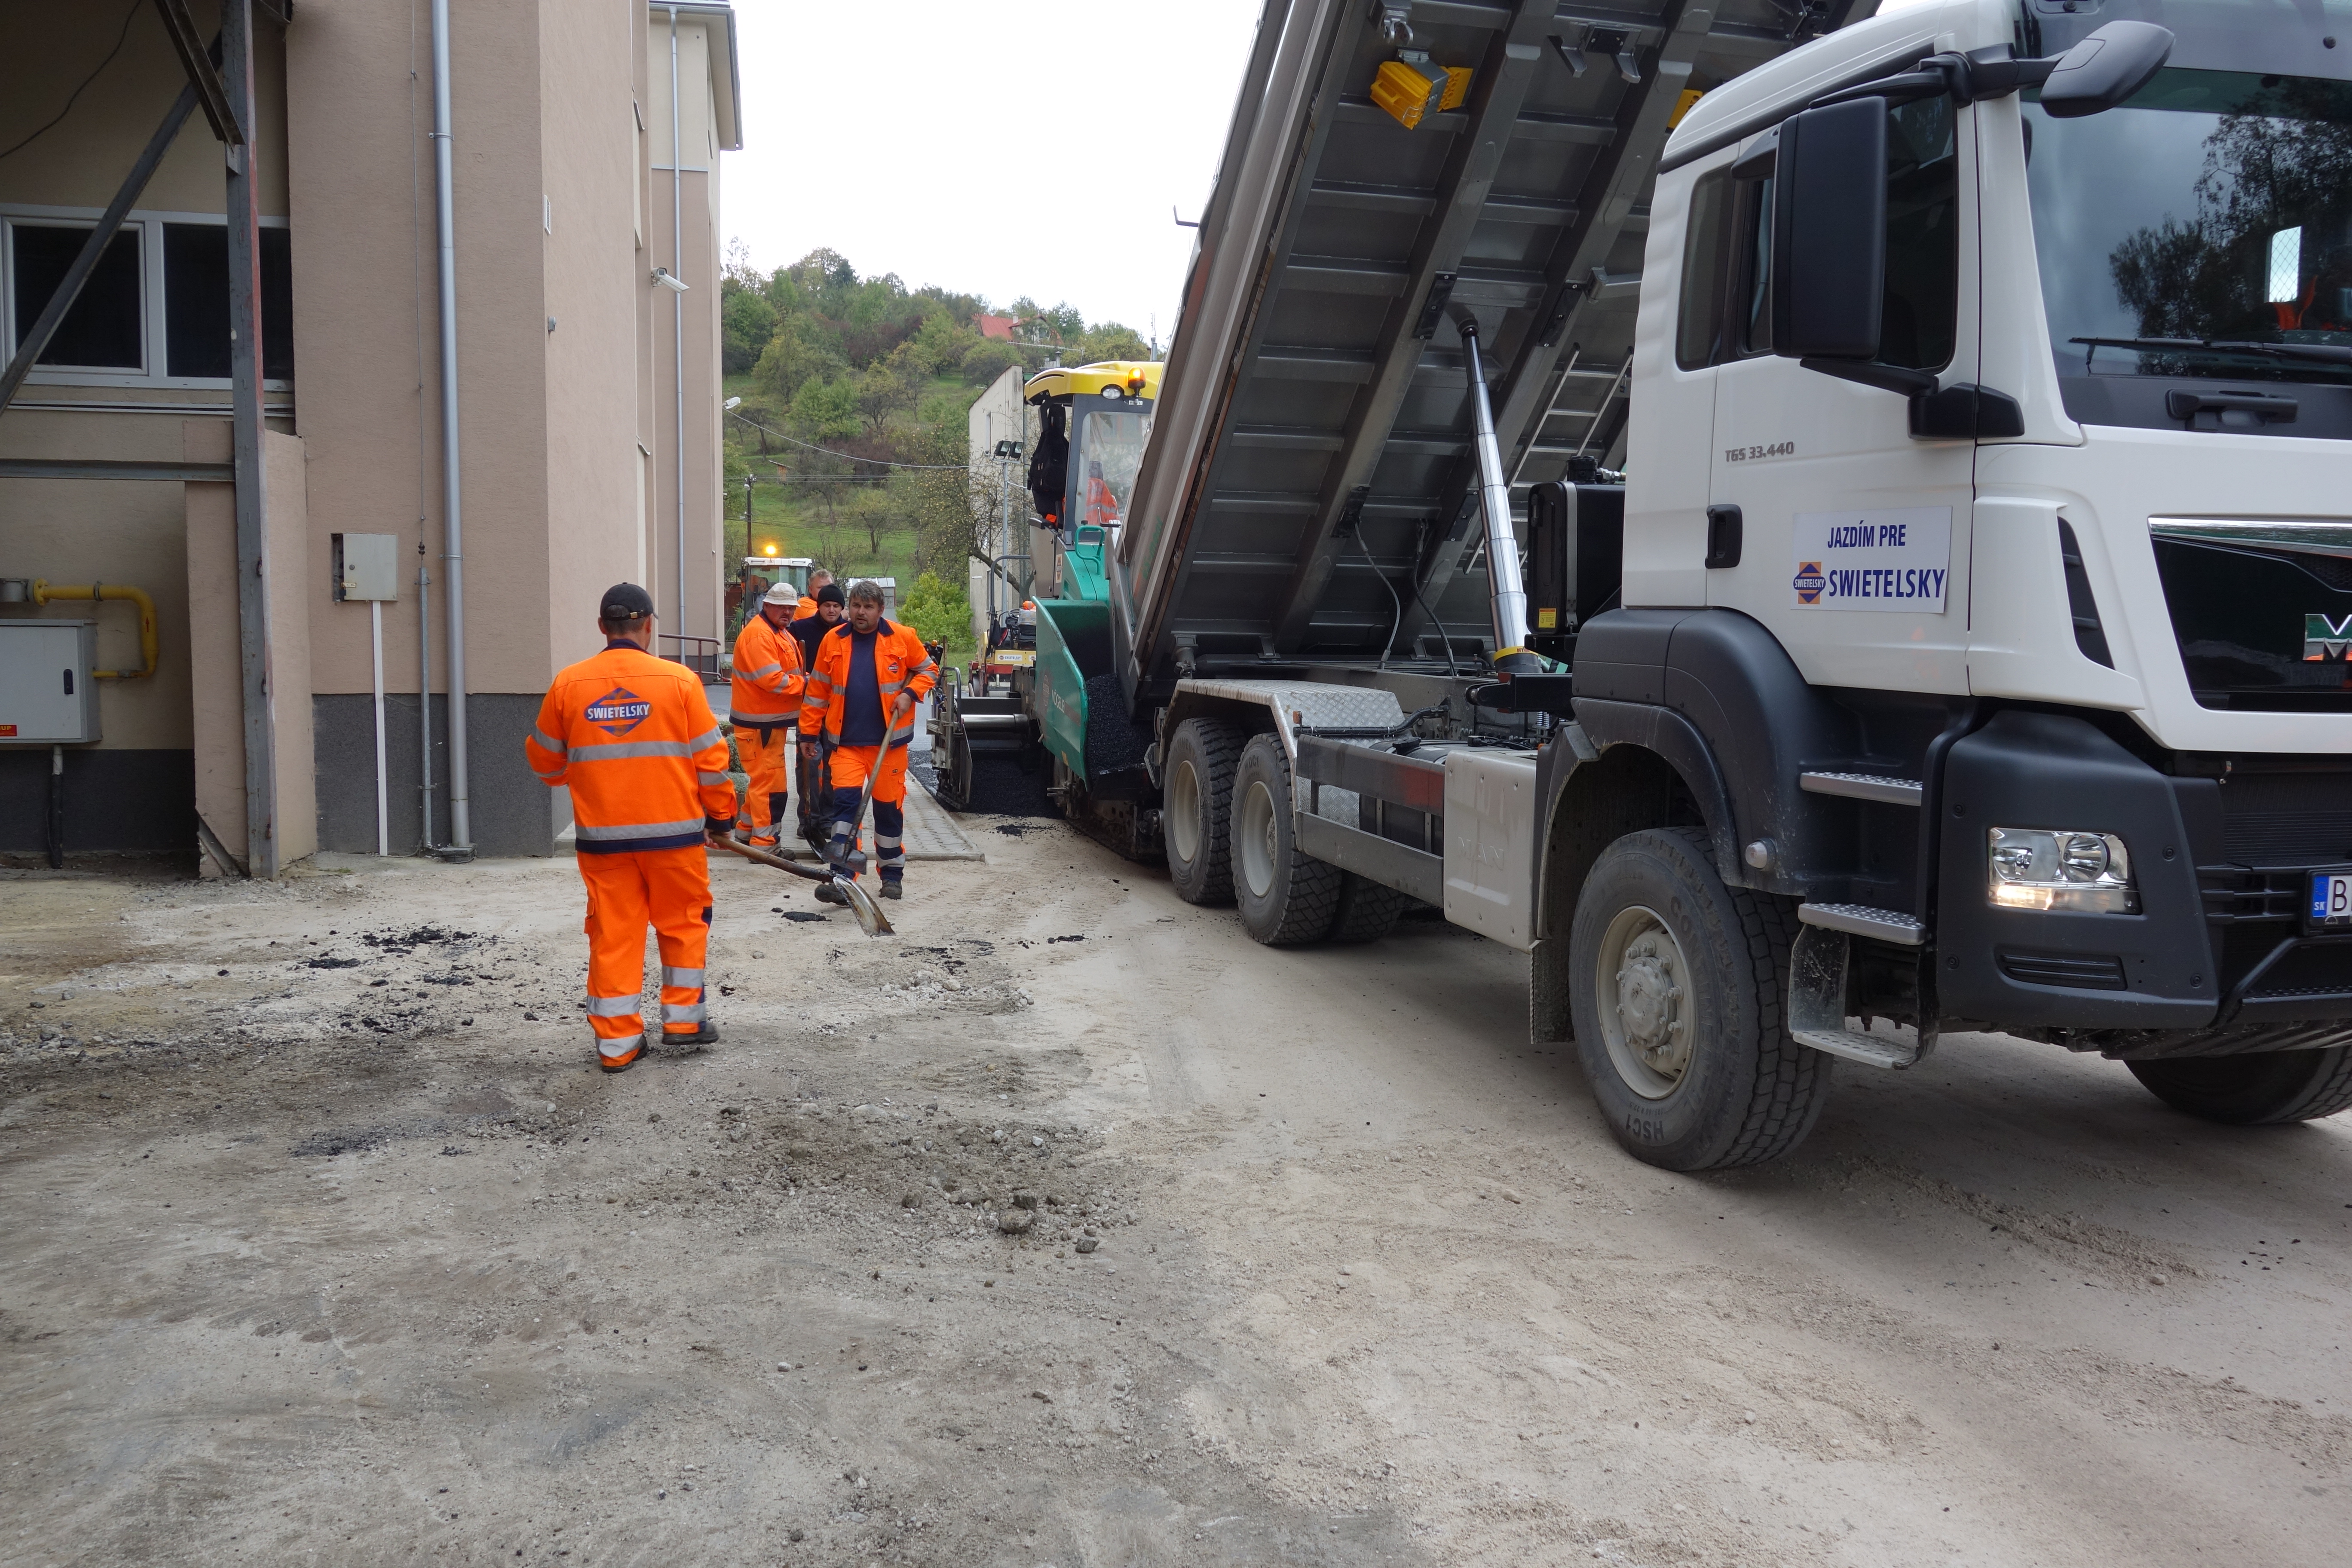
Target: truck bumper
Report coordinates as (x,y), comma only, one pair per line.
(2198,956)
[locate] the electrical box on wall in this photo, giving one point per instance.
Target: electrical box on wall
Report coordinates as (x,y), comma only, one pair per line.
(47,697)
(367,566)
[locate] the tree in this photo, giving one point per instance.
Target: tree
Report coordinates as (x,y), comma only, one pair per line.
(747,323)
(827,410)
(1110,341)
(988,359)
(939,612)
(889,386)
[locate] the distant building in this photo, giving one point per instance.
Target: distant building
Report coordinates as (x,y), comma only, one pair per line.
(579,438)
(999,415)
(997,327)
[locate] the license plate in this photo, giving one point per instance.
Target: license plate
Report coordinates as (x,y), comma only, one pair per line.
(1012,659)
(2331,898)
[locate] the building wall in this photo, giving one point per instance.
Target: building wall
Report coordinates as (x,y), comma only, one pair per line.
(560,214)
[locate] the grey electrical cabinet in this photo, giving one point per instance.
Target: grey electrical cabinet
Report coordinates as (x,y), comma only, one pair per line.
(47,697)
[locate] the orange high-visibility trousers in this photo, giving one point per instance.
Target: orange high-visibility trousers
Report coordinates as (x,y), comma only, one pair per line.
(850,766)
(670,891)
(763,750)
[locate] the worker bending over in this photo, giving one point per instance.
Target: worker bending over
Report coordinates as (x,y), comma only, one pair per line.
(816,789)
(861,693)
(765,708)
(634,738)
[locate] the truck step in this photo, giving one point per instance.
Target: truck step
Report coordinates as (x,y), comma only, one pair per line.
(1871,1050)
(1863,786)
(1860,919)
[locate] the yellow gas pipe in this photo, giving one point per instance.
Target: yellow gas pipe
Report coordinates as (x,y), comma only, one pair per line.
(43,594)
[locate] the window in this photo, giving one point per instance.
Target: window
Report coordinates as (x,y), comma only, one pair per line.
(155,310)
(1706,259)
(102,330)
(1920,322)
(196,302)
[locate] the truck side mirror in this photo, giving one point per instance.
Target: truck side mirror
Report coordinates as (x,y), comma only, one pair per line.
(1829,232)
(2105,68)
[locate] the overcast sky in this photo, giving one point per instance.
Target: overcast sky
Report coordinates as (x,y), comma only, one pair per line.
(1001,147)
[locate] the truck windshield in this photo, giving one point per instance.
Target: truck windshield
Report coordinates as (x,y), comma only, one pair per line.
(1107,454)
(2203,230)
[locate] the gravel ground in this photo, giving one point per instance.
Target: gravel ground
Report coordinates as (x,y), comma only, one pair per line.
(1070,1227)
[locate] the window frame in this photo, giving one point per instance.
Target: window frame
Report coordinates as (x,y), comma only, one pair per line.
(153,326)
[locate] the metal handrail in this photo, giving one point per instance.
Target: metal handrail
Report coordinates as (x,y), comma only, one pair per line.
(702,657)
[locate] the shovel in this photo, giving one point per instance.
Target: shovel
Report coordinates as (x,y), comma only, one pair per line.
(870,919)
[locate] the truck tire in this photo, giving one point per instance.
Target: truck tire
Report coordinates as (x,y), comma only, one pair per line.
(1677,988)
(1368,912)
(1285,896)
(2256,1090)
(1196,806)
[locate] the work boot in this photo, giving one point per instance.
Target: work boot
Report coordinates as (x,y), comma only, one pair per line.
(622,1064)
(892,889)
(706,1034)
(827,893)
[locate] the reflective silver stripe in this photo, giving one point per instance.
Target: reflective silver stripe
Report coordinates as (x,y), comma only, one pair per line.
(639,829)
(709,778)
(710,737)
(614,750)
(693,1015)
(613,1050)
(547,743)
(680,976)
(612,1006)
(763,671)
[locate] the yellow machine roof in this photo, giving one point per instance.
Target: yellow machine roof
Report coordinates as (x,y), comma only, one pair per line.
(1088,380)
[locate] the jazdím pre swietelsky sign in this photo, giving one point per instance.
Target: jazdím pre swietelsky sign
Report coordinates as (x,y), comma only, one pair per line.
(1899,560)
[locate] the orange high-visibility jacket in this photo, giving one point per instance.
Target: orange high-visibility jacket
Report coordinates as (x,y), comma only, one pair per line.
(901,663)
(633,738)
(768,677)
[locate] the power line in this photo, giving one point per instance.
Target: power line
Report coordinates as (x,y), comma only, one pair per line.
(850,457)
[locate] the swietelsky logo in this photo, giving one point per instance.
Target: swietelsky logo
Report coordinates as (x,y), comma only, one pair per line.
(619,711)
(1808,581)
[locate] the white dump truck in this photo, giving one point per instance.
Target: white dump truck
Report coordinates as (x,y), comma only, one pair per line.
(1964,647)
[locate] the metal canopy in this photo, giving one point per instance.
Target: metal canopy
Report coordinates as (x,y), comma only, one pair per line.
(1339,451)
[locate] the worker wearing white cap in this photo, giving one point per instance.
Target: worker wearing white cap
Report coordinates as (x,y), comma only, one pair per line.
(765,704)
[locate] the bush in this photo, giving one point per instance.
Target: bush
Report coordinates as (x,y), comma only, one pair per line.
(938,612)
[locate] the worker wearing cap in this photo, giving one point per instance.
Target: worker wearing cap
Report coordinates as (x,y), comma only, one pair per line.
(816,791)
(818,579)
(633,738)
(861,693)
(765,707)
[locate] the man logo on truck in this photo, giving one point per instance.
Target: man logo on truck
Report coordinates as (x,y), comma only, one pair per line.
(2323,640)
(1808,583)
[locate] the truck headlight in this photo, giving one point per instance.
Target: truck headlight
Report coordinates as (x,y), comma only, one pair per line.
(2059,868)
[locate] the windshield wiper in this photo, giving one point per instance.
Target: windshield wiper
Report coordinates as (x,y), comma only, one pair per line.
(2313,353)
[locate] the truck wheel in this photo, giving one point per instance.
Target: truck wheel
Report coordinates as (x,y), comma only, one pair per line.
(1287,897)
(1677,987)
(1196,801)
(2254,1090)
(1368,912)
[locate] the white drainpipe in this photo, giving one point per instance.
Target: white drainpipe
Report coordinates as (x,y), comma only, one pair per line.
(461,837)
(678,311)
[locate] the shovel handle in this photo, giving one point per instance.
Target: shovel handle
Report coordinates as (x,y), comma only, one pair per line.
(778,862)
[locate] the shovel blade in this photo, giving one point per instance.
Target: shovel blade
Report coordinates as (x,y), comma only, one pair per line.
(870,918)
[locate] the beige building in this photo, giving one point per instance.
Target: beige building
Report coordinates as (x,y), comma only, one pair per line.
(586,393)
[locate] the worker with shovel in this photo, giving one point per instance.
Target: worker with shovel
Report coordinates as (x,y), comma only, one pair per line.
(634,738)
(765,706)
(861,694)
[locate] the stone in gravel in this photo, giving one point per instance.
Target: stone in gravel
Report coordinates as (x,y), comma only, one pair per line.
(1087,1243)
(1014,1222)
(912,1200)
(1024,1200)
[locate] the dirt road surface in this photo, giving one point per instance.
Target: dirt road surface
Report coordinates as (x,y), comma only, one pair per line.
(322,1241)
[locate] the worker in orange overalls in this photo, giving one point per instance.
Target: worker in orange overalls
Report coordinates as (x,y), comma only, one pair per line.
(818,578)
(861,695)
(765,708)
(634,738)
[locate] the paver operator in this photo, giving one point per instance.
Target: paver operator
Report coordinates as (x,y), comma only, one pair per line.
(634,738)
(765,706)
(861,696)
(816,793)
